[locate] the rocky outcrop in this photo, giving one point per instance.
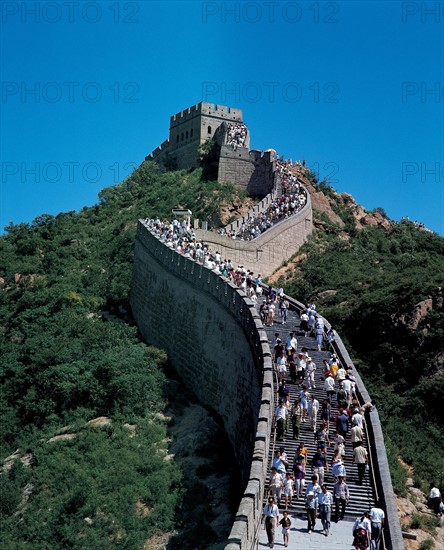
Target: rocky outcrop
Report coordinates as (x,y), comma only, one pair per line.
(412,318)
(327,204)
(233,210)
(362,217)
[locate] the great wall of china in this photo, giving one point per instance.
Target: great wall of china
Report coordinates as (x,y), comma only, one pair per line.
(216,340)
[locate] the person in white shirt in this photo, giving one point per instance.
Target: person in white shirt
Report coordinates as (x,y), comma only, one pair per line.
(347,386)
(310,370)
(329,387)
(312,409)
(357,419)
(270,516)
(377,517)
(435,499)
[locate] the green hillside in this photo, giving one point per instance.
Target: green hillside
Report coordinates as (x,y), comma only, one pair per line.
(69,355)
(63,365)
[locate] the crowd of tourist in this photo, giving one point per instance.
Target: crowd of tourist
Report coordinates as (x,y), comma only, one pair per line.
(236,135)
(291,482)
(291,199)
(418,225)
(305,479)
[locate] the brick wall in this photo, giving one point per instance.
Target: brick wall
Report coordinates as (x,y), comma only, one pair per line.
(268,251)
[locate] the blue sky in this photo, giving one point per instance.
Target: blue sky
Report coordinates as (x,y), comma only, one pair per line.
(354,88)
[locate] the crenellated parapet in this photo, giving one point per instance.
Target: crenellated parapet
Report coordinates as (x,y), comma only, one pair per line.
(215,339)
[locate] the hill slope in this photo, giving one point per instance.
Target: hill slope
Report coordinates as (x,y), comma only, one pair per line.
(69,482)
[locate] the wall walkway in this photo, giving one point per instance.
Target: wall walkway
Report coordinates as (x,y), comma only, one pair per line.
(215,339)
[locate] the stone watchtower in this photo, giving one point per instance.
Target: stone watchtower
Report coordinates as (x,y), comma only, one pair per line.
(190,128)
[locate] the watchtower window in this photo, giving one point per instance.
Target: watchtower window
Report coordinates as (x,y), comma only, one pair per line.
(186,135)
(177,139)
(191,132)
(181,137)
(209,130)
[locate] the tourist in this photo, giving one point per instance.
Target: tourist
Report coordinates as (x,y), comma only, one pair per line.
(311,506)
(325,501)
(276,484)
(435,499)
(360,458)
(362,532)
(341,497)
(288,489)
(286,524)
(377,517)
(296,415)
(270,516)
(319,464)
(299,477)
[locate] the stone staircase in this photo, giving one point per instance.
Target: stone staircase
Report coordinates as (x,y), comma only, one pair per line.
(361,496)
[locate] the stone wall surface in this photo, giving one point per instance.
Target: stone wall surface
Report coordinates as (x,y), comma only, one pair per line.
(268,251)
(211,332)
(216,341)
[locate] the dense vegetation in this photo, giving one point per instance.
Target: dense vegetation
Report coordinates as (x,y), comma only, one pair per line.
(63,365)
(375,277)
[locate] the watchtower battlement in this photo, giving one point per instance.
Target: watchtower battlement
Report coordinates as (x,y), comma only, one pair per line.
(192,127)
(212,110)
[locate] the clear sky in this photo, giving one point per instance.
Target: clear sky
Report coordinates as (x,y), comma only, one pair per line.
(354,88)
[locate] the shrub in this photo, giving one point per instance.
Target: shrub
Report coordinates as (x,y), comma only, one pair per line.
(426,544)
(425,522)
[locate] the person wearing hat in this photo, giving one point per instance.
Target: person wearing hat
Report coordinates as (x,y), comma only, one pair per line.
(271,516)
(338,466)
(311,507)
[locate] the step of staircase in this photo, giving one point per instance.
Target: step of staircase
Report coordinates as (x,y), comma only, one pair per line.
(361,496)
